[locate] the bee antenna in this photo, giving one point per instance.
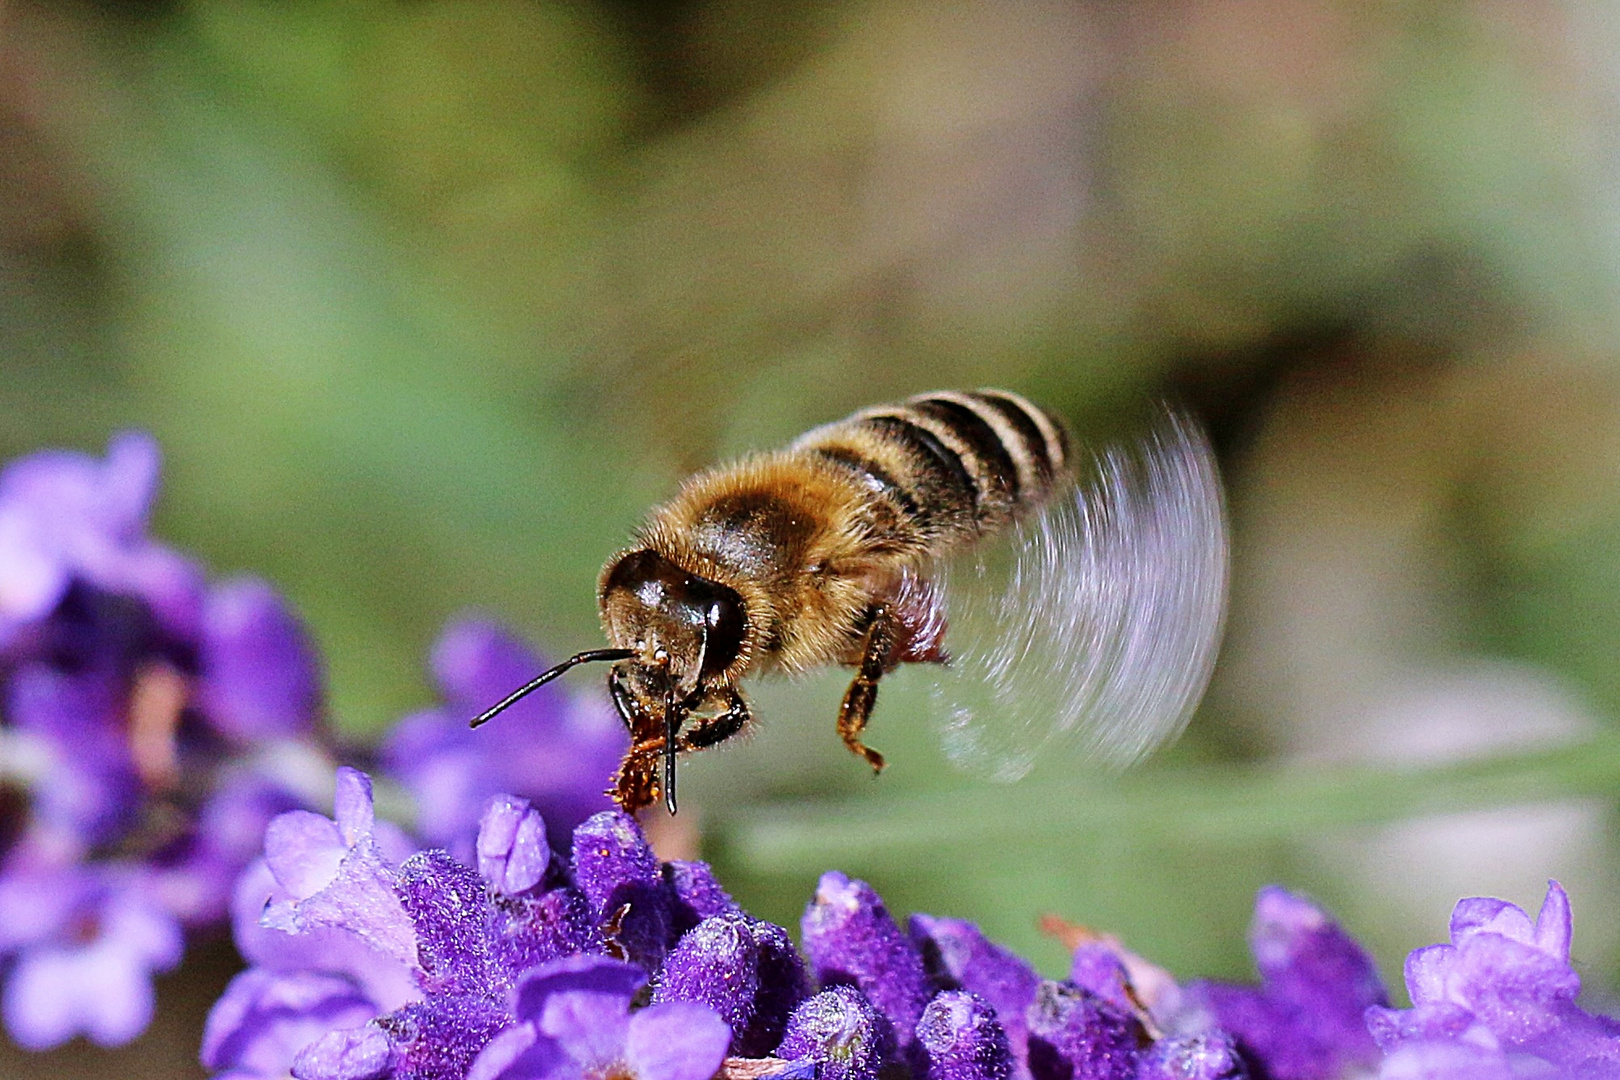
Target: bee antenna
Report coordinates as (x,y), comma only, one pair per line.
(586,657)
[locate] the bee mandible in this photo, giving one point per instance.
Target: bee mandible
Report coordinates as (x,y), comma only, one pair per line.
(826,552)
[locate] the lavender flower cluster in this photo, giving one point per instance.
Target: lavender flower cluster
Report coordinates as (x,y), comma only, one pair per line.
(162,750)
(153,723)
(375,961)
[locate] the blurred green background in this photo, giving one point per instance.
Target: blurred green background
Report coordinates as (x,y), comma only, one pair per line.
(428,301)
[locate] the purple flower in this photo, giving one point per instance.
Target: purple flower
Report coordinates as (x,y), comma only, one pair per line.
(557,751)
(144,713)
(264,1018)
(66,517)
(959,956)
(259,676)
(332,872)
(852,940)
(841,1034)
(1211,1055)
(574,1021)
(696,894)
(1306,1019)
(1076,1035)
(1499,1000)
(616,869)
(87,942)
(961,1039)
(744,969)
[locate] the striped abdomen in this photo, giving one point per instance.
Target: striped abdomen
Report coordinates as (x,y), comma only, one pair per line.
(955,464)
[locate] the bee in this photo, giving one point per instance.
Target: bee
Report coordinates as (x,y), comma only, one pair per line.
(835,551)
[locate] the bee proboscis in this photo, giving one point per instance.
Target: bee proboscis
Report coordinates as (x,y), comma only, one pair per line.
(834,551)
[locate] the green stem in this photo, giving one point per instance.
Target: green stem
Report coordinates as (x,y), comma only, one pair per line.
(1215,805)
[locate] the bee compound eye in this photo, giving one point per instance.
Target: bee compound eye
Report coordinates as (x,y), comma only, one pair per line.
(725,629)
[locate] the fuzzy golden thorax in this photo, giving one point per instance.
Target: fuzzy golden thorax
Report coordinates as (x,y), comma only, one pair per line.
(803,545)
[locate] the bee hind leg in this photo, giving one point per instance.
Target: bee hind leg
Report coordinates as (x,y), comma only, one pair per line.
(861,696)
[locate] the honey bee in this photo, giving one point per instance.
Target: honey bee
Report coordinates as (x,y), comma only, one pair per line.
(838,550)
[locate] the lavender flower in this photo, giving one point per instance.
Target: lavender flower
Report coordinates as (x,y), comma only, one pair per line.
(559,752)
(1306,1019)
(580,1025)
(612,966)
(958,956)
(1076,1035)
(87,945)
(851,939)
(746,970)
(1211,1055)
(962,1039)
(152,724)
(839,1033)
(1498,1001)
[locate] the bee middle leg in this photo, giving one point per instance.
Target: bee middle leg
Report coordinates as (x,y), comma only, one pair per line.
(861,696)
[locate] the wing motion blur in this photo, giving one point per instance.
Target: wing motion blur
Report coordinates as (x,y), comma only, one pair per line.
(1092,627)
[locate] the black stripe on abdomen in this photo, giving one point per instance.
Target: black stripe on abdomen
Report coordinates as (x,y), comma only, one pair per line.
(875,476)
(1029,431)
(972,431)
(938,463)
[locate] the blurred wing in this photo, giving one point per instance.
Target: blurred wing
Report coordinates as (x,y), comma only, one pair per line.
(1094,625)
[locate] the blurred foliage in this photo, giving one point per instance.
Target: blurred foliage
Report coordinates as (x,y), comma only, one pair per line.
(428,301)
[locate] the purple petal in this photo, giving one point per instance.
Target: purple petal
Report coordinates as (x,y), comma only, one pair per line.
(677,1041)
(259,671)
(961,1039)
(1554,924)
(265,1018)
(512,849)
(521,1053)
(352,805)
(36,903)
(304,851)
(1426,972)
(361,1053)
(600,975)
(851,939)
(1487,915)
(590,1026)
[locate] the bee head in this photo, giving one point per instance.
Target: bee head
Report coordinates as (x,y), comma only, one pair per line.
(677,623)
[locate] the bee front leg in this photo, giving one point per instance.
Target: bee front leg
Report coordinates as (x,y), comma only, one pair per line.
(717,729)
(856,709)
(636,784)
